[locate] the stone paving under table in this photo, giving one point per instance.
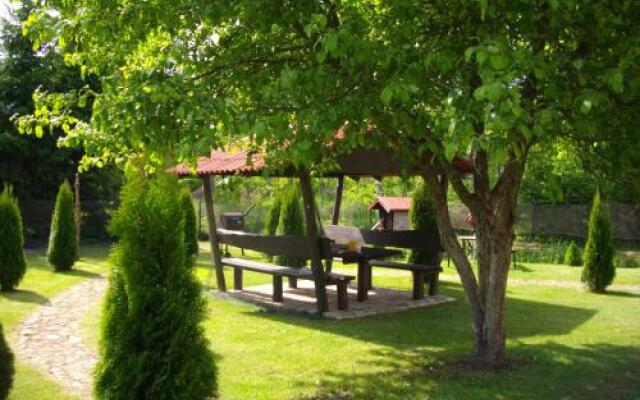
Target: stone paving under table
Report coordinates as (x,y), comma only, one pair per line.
(50,339)
(303,300)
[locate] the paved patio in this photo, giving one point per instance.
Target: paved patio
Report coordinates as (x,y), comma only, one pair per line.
(302,300)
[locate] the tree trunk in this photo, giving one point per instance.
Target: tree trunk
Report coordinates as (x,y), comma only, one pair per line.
(495,219)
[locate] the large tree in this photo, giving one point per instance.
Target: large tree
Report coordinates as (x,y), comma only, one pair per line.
(487,80)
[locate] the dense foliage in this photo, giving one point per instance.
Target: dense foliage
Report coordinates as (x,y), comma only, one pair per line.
(12,261)
(152,345)
(422,217)
(291,223)
(598,271)
(63,244)
(6,367)
(190,227)
(572,256)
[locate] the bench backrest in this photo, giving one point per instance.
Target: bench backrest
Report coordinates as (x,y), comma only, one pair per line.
(287,245)
(418,240)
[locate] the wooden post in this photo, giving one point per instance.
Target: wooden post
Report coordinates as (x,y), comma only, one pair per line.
(335,218)
(77,210)
(214,243)
(314,241)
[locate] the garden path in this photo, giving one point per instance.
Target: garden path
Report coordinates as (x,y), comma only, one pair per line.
(51,340)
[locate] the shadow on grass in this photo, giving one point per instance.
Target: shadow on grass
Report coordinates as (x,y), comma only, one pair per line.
(549,371)
(25,296)
(620,293)
(445,326)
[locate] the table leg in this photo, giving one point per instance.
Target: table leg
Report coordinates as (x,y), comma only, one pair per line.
(363,284)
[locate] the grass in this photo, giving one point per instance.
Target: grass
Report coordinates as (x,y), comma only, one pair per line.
(564,343)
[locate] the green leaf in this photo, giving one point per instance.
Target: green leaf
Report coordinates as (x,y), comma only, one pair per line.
(39,131)
(481,56)
(450,150)
(616,81)
(331,43)
(386,95)
(498,61)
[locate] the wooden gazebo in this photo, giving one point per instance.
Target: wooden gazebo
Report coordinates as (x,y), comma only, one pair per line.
(359,163)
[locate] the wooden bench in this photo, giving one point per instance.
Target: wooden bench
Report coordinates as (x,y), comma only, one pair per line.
(290,246)
(410,239)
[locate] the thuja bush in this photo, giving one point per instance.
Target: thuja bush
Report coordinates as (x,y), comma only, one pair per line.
(598,271)
(190,227)
(572,256)
(152,345)
(273,217)
(12,262)
(6,367)
(291,223)
(63,244)
(422,217)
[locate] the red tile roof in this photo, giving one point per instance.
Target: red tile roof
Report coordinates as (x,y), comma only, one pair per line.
(225,163)
(390,204)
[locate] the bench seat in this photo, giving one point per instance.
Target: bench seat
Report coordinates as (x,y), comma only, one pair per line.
(239,264)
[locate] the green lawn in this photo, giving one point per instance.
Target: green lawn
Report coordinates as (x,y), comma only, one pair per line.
(564,343)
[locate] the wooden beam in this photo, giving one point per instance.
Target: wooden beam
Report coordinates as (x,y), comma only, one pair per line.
(213,235)
(335,218)
(312,236)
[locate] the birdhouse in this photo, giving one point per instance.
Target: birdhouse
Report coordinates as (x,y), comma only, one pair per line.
(393,213)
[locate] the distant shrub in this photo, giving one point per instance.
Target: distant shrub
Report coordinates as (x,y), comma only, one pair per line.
(422,216)
(63,245)
(6,367)
(547,251)
(152,345)
(291,223)
(190,227)
(626,262)
(598,271)
(12,262)
(572,256)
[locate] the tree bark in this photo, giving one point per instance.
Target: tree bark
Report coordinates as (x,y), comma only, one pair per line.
(494,211)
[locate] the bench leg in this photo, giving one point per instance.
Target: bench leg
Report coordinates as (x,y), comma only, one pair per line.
(363,285)
(343,296)
(293,282)
(237,278)
(433,283)
(418,284)
(277,288)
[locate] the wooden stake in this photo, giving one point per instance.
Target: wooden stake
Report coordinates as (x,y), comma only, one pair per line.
(214,243)
(77,210)
(335,218)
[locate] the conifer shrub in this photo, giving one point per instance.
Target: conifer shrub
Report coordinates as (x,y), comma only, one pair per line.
(190,227)
(572,256)
(598,271)
(423,218)
(291,223)
(273,216)
(63,244)
(6,367)
(12,261)
(152,345)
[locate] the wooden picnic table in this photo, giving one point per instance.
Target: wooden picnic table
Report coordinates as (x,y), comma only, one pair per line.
(362,258)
